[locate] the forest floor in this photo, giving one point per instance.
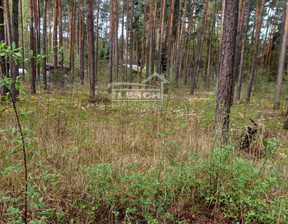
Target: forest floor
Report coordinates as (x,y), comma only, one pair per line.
(142,162)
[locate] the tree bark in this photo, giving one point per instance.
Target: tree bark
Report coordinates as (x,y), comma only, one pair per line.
(143,39)
(131,39)
(149,39)
(179,44)
(115,35)
(55,36)
(169,35)
(32,47)
(161,32)
(111,43)
(3,89)
(243,50)
(226,76)
(60,33)
(72,59)
(22,35)
(211,45)
(97,41)
(189,44)
(45,44)
(200,48)
(281,63)
(122,34)
(13,71)
(255,53)
(81,41)
(91,50)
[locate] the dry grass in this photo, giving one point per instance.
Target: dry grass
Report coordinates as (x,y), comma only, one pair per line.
(71,136)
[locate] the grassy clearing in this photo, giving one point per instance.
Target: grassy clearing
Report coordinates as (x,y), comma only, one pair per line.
(142,163)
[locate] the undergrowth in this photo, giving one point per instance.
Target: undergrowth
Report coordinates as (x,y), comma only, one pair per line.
(140,163)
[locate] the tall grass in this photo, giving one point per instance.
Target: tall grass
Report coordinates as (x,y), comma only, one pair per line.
(141,163)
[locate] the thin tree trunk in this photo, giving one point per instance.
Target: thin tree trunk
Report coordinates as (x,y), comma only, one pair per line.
(264,45)
(149,39)
(238,43)
(122,35)
(15,39)
(189,44)
(169,47)
(161,33)
(243,50)
(97,41)
(255,54)
(226,76)
(115,35)
(61,35)
(211,45)
(111,43)
(22,37)
(32,47)
(38,35)
(3,89)
(131,39)
(153,39)
(143,39)
(281,63)
(200,48)
(179,43)
(72,66)
(127,40)
(10,39)
(55,24)
(44,44)
(91,51)
(81,41)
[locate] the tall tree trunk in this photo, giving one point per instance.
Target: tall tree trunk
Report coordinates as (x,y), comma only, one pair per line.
(200,48)
(281,63)
(22,38)
(38,34)
(55,36)
(179,43)
(72,66)
(131,39)
(3,89)
(15,39)
(226,76)
(91,52)
(149,39)
(243,50)
(32,47)
(61,36)
(122,35)
(97,41)
(264,45)
(161,33)
(255,53)
(12,37)
(189,44)
(127,39)
(115,35)
(153,39)
(169,35)
(81,41)
(111,43)
(143,39)
(238,42)
(211,45)
(45,44)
